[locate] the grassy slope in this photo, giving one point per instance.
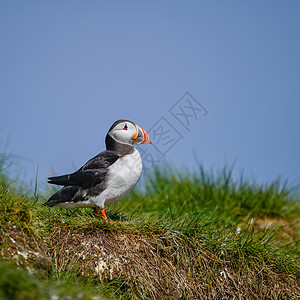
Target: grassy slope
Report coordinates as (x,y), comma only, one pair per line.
(188,235)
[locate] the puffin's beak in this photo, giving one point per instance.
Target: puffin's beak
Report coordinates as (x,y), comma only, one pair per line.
(141,137)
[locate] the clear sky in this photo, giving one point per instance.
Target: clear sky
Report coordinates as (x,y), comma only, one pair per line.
(69,69)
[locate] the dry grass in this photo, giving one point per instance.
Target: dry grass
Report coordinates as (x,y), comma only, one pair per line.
(156,267)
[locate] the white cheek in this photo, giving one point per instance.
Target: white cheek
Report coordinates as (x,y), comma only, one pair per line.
(123,136)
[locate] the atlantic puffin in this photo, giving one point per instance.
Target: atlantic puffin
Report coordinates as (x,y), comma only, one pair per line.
(108,176)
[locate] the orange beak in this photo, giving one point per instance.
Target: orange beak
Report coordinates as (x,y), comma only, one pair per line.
(141,137)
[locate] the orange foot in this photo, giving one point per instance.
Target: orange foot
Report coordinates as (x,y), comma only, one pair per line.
(103,214)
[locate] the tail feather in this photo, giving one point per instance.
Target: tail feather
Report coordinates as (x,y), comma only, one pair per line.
(66,194)
(60,180)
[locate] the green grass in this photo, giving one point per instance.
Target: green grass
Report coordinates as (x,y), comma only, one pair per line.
(17,283)
(207,218)
(214,193)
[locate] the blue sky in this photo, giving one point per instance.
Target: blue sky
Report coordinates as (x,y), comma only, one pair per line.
(69,69)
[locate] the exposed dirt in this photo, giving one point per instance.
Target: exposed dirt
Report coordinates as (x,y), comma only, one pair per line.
(154,267)
(290,230)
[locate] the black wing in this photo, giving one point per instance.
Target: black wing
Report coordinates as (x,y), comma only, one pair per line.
(89,175)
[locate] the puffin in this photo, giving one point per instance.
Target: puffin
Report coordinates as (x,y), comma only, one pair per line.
(108,176)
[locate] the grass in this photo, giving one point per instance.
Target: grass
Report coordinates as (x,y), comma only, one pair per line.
(187,235)
(18,283)
(214,193)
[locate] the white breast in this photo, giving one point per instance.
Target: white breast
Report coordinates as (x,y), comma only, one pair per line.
(122,176)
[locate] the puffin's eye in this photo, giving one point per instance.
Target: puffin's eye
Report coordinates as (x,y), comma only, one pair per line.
(125,127)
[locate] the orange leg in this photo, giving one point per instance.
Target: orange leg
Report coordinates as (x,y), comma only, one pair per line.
(96,212)
(103,214)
